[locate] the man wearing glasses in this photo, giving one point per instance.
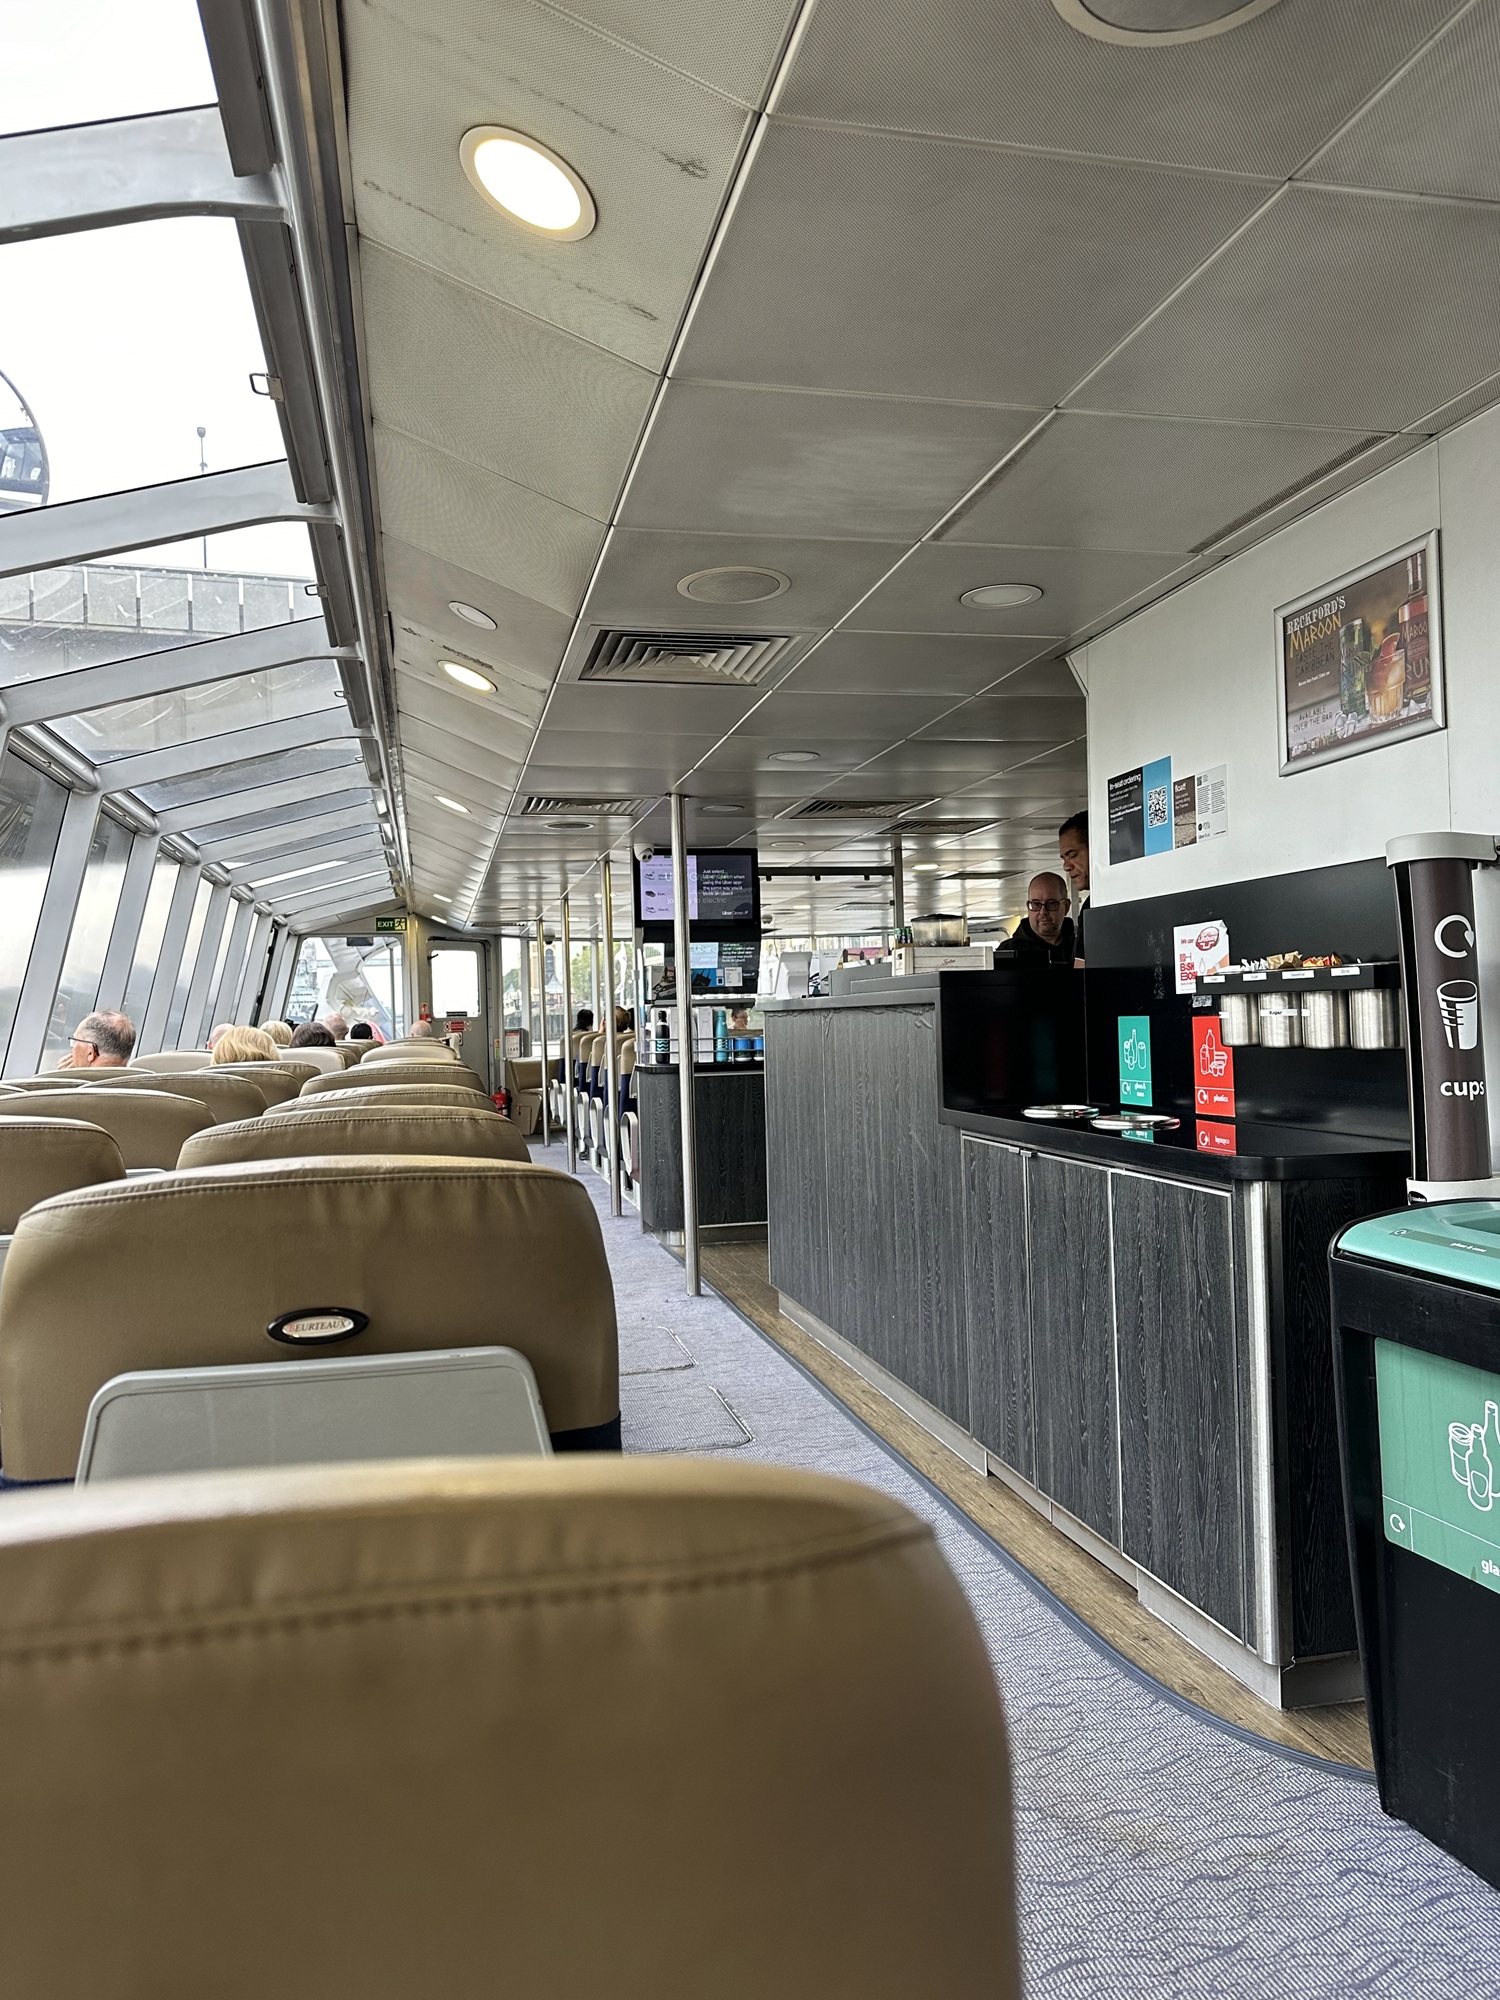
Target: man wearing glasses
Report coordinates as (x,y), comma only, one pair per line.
(1044,935)
(100,1041)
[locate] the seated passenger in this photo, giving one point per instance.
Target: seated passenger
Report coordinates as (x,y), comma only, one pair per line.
(585,1020)
(311,1035)
(361,1032)
(237,1045)
(336,1025)
(218,1034)
(423,1031)
(1044,935)
(280,1033)
(624,1020)
(100,1041)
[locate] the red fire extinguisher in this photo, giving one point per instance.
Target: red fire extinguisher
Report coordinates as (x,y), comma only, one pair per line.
(501,1099)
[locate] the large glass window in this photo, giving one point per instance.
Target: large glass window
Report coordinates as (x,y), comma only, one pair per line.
(358,977)
(88,941)
(226,938)
(31,811)
(187,965)
(159,722)
(148,943)
(71,62)
(341,759)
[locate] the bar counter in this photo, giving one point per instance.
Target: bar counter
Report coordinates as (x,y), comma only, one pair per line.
(1132,1335)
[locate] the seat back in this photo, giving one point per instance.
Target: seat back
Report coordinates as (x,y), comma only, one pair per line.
(276,1081)
(642,1727)
(389,1097)
(148,1126)
(222,1093)
(452,1075)
(407,1051)
(352,1052)
(166,1062)
(337,1127)
(192,1269)
(46,1156)
(327,1060)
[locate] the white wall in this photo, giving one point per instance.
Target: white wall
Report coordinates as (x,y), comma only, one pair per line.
(1195,678)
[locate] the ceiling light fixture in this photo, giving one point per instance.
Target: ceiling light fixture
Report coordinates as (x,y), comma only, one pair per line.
(1161,22)
(795,757)
(442,899)
(723,811)
(452,804)
(1000,596)
(927,868)
(528,182)
(471,614)
(467,677)
(733,584)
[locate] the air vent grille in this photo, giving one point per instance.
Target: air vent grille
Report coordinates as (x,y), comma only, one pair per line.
(585,808)
(1287,493)
(717,658)
(954,828)
(850,809)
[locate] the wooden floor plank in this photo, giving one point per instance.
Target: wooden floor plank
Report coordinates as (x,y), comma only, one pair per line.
(1102,1600)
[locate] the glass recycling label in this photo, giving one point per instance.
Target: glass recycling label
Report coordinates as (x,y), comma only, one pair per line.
(1440,1459)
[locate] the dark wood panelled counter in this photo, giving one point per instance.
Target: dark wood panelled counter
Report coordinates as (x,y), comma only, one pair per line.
(1134,1337)
(729,1109)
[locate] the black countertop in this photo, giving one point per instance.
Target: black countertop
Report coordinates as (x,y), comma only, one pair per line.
(1262,1152)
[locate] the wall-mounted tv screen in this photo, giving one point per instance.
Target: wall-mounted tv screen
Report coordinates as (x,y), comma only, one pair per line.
(723,889)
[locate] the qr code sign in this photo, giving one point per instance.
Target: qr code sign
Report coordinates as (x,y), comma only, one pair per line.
(1157,807)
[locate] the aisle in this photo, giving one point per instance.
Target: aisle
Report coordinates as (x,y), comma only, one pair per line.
(1161,1854)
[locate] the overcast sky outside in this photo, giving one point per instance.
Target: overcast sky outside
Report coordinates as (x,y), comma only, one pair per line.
(123,341)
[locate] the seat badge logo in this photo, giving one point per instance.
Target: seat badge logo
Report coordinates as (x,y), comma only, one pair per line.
(318,1326)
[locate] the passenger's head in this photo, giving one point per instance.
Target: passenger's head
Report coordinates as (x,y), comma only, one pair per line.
(237,1045)
(280,1033)
(361,1032)
(336,1025)
(311,1035)
(622,1019)
(585,1019)
(1046,906)
(1073,851)
(218,1033)
(100,1041)
(423,1031)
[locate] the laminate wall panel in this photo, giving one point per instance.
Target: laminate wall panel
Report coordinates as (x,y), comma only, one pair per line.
(797,1211)
(998,1301)
(1186,1513)
(1072,1342)
(924,1166)
(731,1144)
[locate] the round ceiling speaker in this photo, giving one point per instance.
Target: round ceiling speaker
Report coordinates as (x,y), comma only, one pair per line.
(1158,22)
(1001,596)
(733,585)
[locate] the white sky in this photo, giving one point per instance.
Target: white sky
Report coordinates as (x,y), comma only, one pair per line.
(123,341)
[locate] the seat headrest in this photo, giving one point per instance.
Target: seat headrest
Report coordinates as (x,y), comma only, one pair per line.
(46,1156)
(422,1051)
(148,1126)
(191,1269)
(222,1093)
(332,1125)
(318,1057)
(389,1096)
(276,1081)
(359,1079)
(492,1698)
(167,1061)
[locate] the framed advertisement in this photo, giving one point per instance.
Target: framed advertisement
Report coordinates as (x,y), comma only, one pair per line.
(1359,662)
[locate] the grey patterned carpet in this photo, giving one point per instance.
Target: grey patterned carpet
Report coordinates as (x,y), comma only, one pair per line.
(1162,1856)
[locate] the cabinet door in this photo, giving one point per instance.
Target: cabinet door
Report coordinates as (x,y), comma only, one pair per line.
(1186,1511)
(796,1140)
(998,1302)
(1072,1341)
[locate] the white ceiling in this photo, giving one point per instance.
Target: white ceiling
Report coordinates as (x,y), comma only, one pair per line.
(894,301)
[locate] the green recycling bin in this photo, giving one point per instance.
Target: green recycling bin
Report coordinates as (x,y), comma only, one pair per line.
(1416,1331)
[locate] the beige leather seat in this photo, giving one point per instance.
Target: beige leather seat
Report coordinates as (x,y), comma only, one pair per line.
(192,1269)
(336,1126)
(276,1081)
(168,1061)
(148,1126)
(450,1075)
(46,1156)
(328,1060)
(523,1080)
(643,1728)
(389,1096)
(222,1094)
(424,1050)
(352,1052)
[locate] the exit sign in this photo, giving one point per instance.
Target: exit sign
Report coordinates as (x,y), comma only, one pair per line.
(390,923)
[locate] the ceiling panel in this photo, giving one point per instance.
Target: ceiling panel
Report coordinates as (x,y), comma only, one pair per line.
(676,711)
(731,48)
(476,719)
(1011,71)
(792,715)
(638,578)
(929,770)
(1268,333)
(1077,585)
(529,635)
(1435,133)
(485,523)
(655,149)
(774,462)
(1084,482)
(1019,719)
(557,414)
(904,663)
(281,816)
(843,241)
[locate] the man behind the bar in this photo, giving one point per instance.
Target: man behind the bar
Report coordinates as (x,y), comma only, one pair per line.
(1044,935)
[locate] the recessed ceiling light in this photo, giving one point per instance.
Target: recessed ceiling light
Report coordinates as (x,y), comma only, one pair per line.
(724,811)
(467,677)
(568,825)
(733,584)
(927,868)
(471,614)
(794,757)
(442,899)
(1158,21)
(999,596)
(528,182)
(452,804)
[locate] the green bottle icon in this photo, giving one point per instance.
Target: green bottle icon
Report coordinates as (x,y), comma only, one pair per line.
(1475,1451)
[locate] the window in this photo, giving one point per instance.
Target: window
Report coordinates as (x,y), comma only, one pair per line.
(78,989)
(158,722)
(31,811)
(187,965)
(455,981)
(68,62)
(148,944)
(356,977)
(340,759)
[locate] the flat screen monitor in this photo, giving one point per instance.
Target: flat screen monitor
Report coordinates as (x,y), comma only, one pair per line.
(723,889)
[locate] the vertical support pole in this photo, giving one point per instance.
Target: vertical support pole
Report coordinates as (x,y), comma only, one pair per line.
(282,972)
(541,1008)
(611,1045)
(54,926)
(594,985)
(683,972)
(565,1064)
(153,1023)
(255,966)
(129,916)
(898,884)
(523,971)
